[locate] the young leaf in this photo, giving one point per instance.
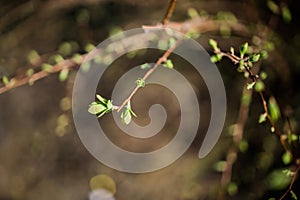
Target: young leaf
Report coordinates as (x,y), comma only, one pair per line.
(101,99)
(293,195)
(109,105)
(274,109)
(95,108)
(140,82)
(63,75)
(232,50)
(46,67)
(169,64)
(259,86)
(273,7)
(287,157)
(145,66)
(243,49)
(126,116)
(213,44)
(5,80)
(250,85)
(286,14)
(262,118)
(254,58)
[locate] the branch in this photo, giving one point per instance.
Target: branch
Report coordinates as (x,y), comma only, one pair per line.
(169,12)
(150,71)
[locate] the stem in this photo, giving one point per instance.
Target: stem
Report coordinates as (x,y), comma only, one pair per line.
(291,184)
(169,12)
(150,71)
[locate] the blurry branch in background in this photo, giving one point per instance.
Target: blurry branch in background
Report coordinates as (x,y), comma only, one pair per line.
(41,70)
(271,109)
(198,24)
(169,12)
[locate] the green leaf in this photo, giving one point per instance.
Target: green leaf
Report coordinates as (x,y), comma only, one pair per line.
(5,80)
(263,75)
(127,113)
(63,75)
(259,86)
(250,85)
(145,66)
(33,57)
(57,58)
(293,195)
(126,116)
(287,172)
(292,138)
(272,129)
(109,105)
(220,166)
(192,13)
(169,64)
(85,67)
(172,42)
(264,54)
(273,7)
(232,188)
(65,48)
(89,47)
(287,157)
(46,67)
(254,58)
(213,44)
(29,72)
(101,99)
(241,67)
(243,49)
(132,113)
(262,118)
(278,180)
(232,50)
(96,108)
(286,14)
(274,109)
(140,82)
(214,59)
(77,58)
(243,145)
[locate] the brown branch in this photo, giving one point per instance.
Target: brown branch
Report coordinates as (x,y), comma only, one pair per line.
(150,71)
(169,12)
(295,175)
(237,134)
(19,81)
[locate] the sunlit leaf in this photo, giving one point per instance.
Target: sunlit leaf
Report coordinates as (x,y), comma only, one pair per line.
(286,14)
(63,75)
(259,86)
(287,157)
(278,180)
(213,44)
(262,118)
(96,108)
(169,64)
(126,116)
(274,109)
(243,49)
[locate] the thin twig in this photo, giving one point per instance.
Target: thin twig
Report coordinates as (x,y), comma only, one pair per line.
(291,184)
(19,81)
(254,78)
(150,71)
(169,12)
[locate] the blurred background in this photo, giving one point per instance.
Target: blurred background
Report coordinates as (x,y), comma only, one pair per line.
(41,155)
